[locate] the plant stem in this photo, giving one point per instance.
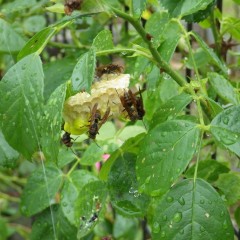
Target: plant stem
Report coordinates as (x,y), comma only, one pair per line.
(73,167)
(160,62)
(216,35)
(198,156)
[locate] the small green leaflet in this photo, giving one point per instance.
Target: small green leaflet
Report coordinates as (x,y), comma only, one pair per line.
(40,190)
(51,124)
(88,206)
(180,8)
(165,153)
(10,40)
(225,127)
(123,187)
(84,71)
(72,187)
(137,7)
(131,145)
(8,156)
(156,26)
(229,184)
(192,210)
(38,42)
(21,105)
(170,109)
(224,88)
(103,41)
(17,5)
(212,55)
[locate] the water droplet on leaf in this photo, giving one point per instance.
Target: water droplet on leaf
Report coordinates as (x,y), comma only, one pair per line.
(177,217)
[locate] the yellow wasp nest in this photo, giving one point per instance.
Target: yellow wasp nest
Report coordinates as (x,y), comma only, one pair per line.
(106,92)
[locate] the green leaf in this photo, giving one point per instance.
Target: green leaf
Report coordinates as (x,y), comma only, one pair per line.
(184,7)
(10,40)
(51,124)
(215,107)
(89,203)
(103,41)
(35,23)
(65,156)
(93,6)
(208,170)
(231,25)
(212,55)
(129,132)
(37,43)
(201,14)
(65,230)
(237,216)
(17,5)
(165,154)
(192,210)
(224,88)
(40,190)
(44,226)
(122,227)
(8,156)
(156,26)
(225,127)
(123,187)
(171,36)
(84,71)
(137,7)
(131,145)
(21,91)
(229,183)
(71,189)
(170,109)
(92,155)
(56,8)
(57,73)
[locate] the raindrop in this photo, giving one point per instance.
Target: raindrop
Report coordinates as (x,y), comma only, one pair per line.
(202,201)
(156,227)
(169,199)
(177,217)
(164,217)
(202,229)
(181,231)
(181,201)
(131,190)
(207,215)
(210,202)
(148,179)
(64,204)
(163,234)
(222,214)
(164,134)
(226,120)
(225,225)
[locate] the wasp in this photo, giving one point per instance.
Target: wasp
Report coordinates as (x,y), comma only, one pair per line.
(138,104)
(109,69)
(71,5)
(128,105)
(96,121)
(67,140)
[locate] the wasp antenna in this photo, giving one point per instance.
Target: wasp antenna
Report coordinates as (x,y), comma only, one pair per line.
(144,125)
(97,144)
(73,152)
